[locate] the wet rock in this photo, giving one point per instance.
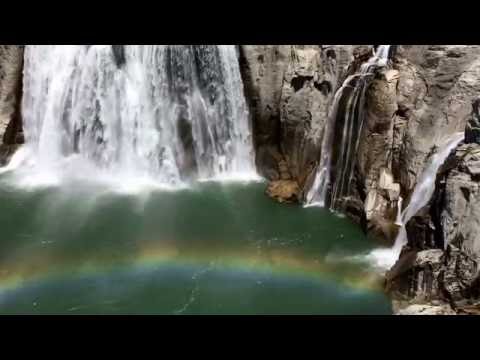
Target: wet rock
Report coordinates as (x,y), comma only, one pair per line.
(469,309)
(450,225)
(424,98)
(283,191)
(374,158)
(381,207)
(307,91)
(421,232)
(119,55)
(11,62)
(6,152)
(390,75)
(460,273)
(360,54)
(435,93)
(386,182)
(460,214)
(284,170)
(290,89)
(434,275)
(472,130)
(415,277)
(425,309)
(263,68)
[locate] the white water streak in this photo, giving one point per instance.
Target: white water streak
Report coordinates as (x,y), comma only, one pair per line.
(317,194)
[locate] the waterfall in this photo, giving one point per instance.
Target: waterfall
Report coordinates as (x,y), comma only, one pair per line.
(398,219)
(421,195)
(353,123)
(164,114)
(425,187)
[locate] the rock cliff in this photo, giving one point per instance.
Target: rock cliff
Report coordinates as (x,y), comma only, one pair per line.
(290,89)
(11,62)
(423,97)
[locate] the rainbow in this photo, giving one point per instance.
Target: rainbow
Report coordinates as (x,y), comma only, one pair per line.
(277,263)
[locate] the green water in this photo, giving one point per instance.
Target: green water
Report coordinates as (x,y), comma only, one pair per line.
(214,249)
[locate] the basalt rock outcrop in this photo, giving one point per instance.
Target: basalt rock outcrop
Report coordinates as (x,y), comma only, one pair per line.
(11,62)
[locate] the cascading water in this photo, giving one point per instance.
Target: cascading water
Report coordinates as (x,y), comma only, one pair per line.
(424,189)
(160,114)
(318,192)
(352,126)
(398,219)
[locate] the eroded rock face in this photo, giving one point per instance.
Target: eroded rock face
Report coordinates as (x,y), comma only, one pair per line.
(374,156)
(11,62)
(461,206)
(436,88)
(306,94)
(422,100)
(448,228)
(434,277)
(263,68)
(290,89)
(472,131)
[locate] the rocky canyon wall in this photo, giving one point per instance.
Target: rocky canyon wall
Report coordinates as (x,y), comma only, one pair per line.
(435,96)
(439,269)
(290,89)
(426,94)
(425,98)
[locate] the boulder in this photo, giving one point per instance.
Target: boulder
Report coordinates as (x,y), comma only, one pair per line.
(283,191)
